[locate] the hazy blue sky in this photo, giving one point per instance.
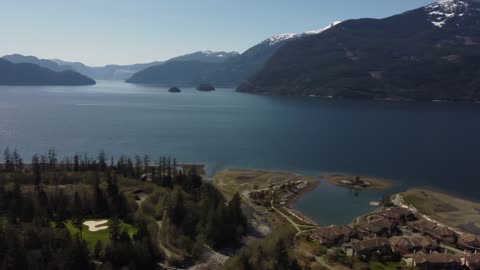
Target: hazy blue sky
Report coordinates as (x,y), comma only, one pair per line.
(99,32)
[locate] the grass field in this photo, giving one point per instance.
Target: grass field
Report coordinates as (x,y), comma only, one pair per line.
(103,235)
(451,211)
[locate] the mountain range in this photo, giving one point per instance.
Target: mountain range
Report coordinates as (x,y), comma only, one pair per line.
(428,53)
(229,73)
(33,74)
(116,72)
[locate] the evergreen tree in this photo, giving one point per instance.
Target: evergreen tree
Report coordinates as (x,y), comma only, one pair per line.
(78,224)
(8,160)
(36,171)
(77,205)
(78,256)
(76,163)
(102,160)
(52,157)
(15,256)
(17,160)
(98,250)
(114,229)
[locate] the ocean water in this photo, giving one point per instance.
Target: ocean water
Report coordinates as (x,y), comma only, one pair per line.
(433,145)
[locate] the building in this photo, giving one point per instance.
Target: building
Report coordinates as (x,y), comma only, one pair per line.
(375,226)
(372,248)
(333,235)
(441,233)
(437,261)
(398,215)
(472,261)
(404,245)
(469,241)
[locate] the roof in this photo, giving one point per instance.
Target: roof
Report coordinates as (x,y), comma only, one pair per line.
(404,244)
(423,225)
(375,226)
(443,231)
(396,213)
(469,238)
(369,244)
(401,244)
(472,259)
(437,258)
(422,242)
(331,233)
(401,241)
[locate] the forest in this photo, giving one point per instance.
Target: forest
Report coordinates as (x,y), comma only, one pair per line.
(153,209)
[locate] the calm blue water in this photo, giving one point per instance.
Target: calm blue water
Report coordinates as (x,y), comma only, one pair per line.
(418,144)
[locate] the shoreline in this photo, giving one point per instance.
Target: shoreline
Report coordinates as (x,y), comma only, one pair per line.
(457,213)
(283,210)
(256,188)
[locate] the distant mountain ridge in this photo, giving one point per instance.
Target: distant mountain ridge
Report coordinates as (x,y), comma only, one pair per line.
(432,52)
(50,64)
(116,72)
(229,73)
(108,72)
(33,74)
(205,56)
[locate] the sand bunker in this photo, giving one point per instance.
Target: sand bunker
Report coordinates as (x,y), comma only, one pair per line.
(94,225)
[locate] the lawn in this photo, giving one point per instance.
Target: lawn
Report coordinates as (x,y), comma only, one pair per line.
(382,266)
(103,235)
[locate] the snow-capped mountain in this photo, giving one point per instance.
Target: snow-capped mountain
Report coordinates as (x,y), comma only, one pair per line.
(222,68)
(432,52)
(443,11)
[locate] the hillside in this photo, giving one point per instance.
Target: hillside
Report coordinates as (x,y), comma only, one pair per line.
(429,53)
(50,64)
(181,73)
(205,56)
(31,74)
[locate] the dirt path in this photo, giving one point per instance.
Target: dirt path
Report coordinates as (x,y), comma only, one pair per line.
(167,251)
(295,225)
(301,228)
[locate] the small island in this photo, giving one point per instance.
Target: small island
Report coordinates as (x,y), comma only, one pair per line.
(174,90)
(359,182)
(205,87)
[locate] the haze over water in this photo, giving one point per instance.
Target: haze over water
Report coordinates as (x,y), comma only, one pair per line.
(419,144)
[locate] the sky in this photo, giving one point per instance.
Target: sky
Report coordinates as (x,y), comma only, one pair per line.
(100,32)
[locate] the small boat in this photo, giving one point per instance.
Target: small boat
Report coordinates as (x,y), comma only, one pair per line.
(376,204)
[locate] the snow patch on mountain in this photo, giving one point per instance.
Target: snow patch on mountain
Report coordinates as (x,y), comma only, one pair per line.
(439,13)
(219,54)
(314,32)
(279,38)
(282,37)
